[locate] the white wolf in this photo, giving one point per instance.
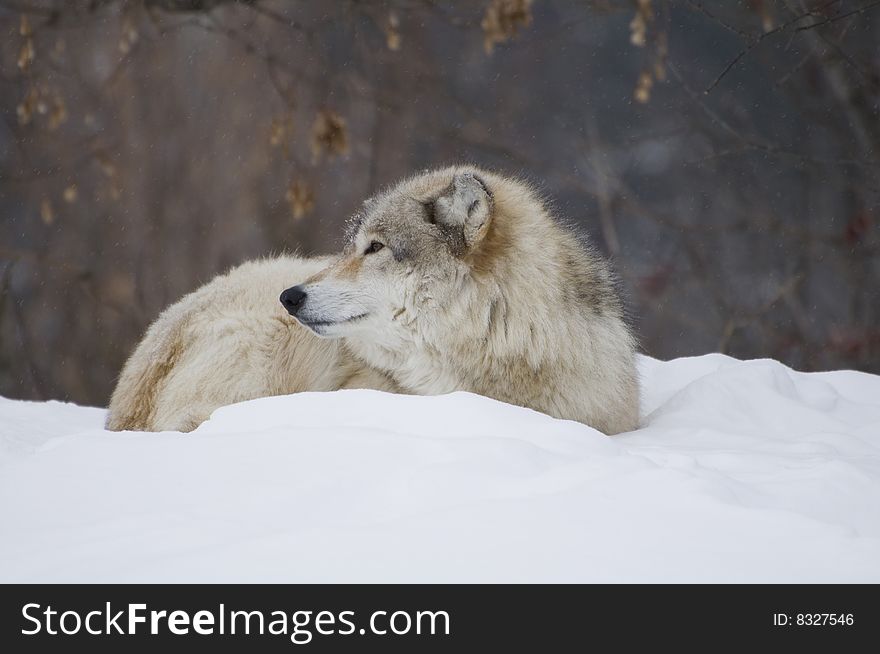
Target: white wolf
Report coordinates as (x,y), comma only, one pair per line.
(454,279)
(230,341)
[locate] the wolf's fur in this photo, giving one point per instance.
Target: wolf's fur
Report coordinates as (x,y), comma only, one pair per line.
(227,342)
(472,285)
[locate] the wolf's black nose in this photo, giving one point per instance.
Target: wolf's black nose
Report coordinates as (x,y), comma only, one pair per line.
(293,299)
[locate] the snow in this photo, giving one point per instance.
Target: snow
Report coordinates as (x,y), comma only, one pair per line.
(744,471)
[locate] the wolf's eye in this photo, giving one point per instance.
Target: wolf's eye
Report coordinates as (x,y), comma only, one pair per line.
(374,247)
(430,212)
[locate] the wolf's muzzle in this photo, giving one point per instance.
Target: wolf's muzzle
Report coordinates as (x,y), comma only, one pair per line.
(293,299)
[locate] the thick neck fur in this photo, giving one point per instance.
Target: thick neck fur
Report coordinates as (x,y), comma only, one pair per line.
(522,291)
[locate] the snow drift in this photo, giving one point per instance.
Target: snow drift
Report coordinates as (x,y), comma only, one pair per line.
(744,471)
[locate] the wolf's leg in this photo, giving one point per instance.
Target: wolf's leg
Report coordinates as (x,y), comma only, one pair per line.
(133,404)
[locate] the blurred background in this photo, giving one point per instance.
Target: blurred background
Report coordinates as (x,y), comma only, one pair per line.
(725,154)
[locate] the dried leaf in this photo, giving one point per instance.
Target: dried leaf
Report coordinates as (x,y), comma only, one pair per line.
(300,197)
(643,87)
(329,135)
(118,289)
(857,228)
(659,70)
(129,36)
(657,281)
(58,114)
(851,340)
(26,54)
(107,166)
(281,131)
(761,8)
(502,20)
(392,32)
(47,215)
(24,113)
(638,27)
(24,27)
(661,53)
(28,106)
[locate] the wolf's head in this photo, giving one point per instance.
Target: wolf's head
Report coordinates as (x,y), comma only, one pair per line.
(408,255)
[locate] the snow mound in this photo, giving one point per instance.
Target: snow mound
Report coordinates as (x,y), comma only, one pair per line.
(744,471)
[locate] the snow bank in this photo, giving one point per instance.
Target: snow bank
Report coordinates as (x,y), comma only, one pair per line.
(744,471)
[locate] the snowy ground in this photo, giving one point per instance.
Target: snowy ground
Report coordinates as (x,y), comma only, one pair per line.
(744,471)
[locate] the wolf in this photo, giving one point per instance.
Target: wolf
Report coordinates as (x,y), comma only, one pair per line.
(460,279)
(455,279)
(227,342)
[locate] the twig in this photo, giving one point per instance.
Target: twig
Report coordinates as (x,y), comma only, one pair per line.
(756,40)
(699,7)
(834,19)
(751,143)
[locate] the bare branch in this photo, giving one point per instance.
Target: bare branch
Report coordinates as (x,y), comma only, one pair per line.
(755,41)
(834,19)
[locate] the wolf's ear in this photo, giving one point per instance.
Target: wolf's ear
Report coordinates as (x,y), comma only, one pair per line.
(467,203)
